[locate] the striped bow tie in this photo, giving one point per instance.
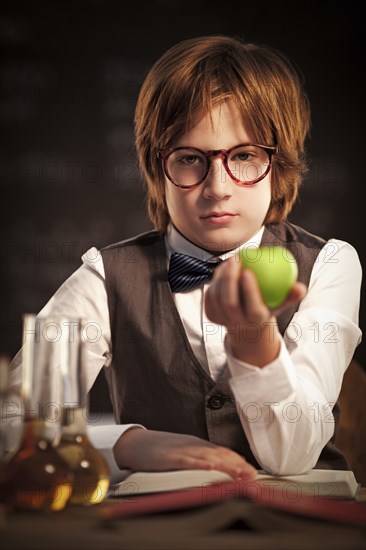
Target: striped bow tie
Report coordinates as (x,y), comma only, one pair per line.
(186,272)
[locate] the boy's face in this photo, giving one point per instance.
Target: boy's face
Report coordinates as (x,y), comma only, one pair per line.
(191,209)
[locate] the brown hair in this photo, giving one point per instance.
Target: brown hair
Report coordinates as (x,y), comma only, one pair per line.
(193,76)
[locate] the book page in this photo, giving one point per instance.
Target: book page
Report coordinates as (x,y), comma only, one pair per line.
(326,483)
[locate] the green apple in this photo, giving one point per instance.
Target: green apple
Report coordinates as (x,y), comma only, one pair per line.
(275,269)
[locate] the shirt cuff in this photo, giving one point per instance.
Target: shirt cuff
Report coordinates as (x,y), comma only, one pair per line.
(277,380)
(104,438)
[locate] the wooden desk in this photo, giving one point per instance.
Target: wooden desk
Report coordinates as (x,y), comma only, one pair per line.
(231,525)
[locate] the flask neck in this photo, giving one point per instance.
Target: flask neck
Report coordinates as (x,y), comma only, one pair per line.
(74,420)
(35,433)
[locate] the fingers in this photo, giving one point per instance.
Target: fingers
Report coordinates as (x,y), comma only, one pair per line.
(223,301)
(216,458)
(295,295)
(255,308)
(200,453)
(234,297)
(149,450)
(230,462)
(186,460)
(229,293)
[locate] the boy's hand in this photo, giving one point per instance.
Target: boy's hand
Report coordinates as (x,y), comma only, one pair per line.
(234,300)
(150,450)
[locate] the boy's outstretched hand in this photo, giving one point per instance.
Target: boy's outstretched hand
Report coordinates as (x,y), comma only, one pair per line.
(150,450)
(234,300)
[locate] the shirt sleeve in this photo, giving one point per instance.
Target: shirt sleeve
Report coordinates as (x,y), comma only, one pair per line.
(82,295)
(286,407)
(104,438)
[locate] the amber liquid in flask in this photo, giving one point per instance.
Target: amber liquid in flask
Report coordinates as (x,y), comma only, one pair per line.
(89,468)
(35,476)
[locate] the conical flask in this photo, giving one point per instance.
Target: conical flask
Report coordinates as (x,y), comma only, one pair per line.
(90,470)
(35,476)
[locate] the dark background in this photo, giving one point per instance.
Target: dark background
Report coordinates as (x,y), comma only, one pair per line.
(70,78)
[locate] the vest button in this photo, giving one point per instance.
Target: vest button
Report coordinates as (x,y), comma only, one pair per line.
(216,402)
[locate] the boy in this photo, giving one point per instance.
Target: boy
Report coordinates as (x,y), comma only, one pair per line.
(201,373)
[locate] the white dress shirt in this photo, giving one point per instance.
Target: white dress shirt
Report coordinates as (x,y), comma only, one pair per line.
(286,407)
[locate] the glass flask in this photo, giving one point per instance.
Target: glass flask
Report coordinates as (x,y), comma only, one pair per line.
(35,476)
(90,470)
(5,401)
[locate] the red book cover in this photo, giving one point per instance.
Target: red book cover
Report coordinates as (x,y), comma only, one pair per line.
(293,502)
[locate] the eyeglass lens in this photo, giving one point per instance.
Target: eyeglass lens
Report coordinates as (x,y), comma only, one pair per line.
(189,166)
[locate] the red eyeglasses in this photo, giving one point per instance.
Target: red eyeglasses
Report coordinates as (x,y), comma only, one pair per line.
(245,163)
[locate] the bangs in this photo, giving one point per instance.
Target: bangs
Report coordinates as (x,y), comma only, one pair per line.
(209,83)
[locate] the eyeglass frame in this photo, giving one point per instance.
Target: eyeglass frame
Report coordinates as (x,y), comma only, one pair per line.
(164,154)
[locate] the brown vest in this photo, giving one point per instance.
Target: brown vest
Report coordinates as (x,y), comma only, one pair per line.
(155,379)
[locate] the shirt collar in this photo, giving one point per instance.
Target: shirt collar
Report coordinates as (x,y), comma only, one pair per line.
(176,242)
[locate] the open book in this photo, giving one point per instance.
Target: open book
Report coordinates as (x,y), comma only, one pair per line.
(317,493)
(325,483)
